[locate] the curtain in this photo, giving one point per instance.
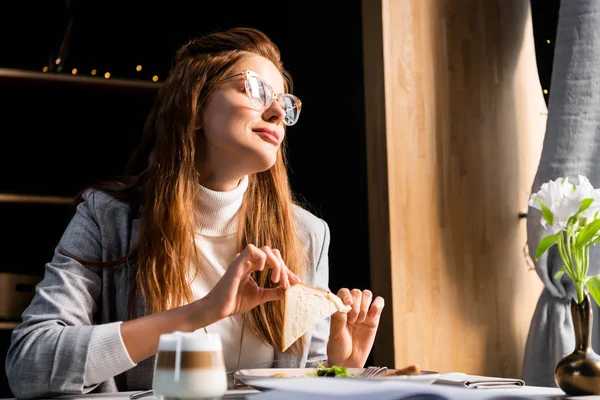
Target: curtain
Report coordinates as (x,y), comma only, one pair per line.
(571,147)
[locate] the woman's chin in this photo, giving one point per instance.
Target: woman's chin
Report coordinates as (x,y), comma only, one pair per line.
(265,167)
(265,162)
(257,158)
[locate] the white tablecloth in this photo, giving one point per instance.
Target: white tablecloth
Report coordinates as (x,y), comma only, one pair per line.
(332,388)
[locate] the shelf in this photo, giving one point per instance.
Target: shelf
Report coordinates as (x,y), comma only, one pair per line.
(8,325)
(50,77)
(35,199)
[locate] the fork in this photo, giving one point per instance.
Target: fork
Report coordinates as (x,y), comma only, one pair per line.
(370,372)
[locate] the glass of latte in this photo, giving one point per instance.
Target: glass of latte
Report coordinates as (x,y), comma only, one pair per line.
(189,365)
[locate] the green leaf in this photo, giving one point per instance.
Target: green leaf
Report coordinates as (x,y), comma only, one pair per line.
(593,286)
(546,213)
(559,273)
(545,244)
(585,204)
(587,233)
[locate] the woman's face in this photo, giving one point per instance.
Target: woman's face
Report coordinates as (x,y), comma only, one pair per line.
(237,137)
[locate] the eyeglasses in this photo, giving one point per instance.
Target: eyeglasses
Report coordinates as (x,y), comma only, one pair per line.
(261,95)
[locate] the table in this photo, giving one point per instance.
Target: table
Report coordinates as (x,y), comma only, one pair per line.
(230,395)
(526,392)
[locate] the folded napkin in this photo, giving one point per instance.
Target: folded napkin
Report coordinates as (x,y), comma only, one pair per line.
(478,382)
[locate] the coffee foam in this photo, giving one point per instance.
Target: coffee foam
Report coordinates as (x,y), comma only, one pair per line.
(190,341)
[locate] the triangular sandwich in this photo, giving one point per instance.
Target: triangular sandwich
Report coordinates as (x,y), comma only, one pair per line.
(305,306)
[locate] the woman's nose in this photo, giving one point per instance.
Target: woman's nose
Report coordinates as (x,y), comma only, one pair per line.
(274,113)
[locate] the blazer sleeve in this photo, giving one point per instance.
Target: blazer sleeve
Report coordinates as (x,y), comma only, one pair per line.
(320,333)
(57,341)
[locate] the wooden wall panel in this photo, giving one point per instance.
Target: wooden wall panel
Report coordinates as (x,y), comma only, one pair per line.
(455,119)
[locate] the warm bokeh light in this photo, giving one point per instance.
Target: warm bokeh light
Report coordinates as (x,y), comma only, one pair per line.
(74,71)
(94,72)
(545,91)
(107,75)
(45,69)
(154,78)
(138,68)
(548,41)
(57,61)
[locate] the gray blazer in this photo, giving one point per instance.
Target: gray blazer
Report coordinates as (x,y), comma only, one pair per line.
(54,345)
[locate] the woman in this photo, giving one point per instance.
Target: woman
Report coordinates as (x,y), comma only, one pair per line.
(200,233)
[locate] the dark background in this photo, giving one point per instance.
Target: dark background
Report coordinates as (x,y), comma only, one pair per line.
(544,15)
(57,137)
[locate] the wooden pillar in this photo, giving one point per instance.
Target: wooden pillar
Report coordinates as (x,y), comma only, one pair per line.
(455,119)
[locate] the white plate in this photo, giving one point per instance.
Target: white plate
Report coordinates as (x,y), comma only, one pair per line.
(258,377)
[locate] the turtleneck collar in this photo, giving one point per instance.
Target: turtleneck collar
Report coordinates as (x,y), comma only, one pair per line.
(219,210)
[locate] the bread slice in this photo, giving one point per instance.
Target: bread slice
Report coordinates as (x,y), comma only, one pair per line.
(305,306)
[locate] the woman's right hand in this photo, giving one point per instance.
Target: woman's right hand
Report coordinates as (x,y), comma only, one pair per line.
(237,292)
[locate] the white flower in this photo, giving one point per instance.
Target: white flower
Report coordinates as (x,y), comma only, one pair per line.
(585,190)
(570,209)
(563,199)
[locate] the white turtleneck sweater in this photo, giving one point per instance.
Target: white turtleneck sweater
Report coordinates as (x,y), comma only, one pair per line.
(216,241)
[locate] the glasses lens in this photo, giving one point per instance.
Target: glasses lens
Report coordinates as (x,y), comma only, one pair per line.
(291,107)
(259,92)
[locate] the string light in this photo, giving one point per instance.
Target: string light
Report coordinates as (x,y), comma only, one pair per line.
(107,75)
(548,41)
(545,91)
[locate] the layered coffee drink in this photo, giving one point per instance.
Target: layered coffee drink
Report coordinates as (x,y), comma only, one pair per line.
(190,365)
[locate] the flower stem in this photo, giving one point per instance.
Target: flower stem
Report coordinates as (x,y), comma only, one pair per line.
(580,294)
(574,260)
(565,257)
(586,260)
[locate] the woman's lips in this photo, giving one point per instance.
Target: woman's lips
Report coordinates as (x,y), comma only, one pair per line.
(268,136)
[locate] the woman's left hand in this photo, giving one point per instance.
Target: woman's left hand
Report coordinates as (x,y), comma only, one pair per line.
(352,334)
